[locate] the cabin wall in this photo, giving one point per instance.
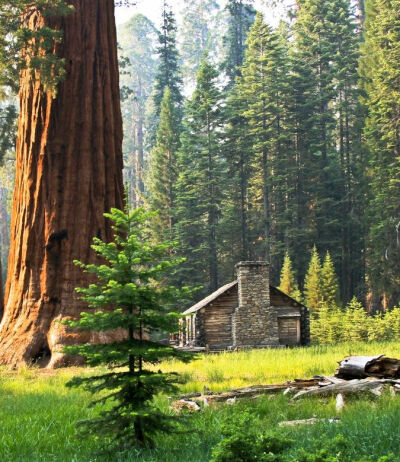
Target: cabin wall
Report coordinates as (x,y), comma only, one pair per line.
(218,322)
(261,321)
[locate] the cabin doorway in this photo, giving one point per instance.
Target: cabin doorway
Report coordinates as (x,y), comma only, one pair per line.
(289,330)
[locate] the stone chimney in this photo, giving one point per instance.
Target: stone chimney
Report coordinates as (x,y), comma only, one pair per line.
(254,322)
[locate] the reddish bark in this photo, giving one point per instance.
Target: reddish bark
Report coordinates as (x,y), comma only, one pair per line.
(69,172)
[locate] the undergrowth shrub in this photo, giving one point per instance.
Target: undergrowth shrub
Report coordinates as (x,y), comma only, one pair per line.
(243,442)
(249,447)
(353,324)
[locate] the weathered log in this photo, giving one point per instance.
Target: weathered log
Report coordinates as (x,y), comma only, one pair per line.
(239,393)
(355,367)
(358,367)
(255,390)
(352,386)
(247,391)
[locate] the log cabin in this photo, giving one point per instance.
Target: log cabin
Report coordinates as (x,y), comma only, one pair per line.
(246,313)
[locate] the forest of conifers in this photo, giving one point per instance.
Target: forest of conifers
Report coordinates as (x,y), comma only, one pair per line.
(252,141)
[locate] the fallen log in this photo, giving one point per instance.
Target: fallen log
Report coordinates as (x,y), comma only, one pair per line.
(360,367)
(253,390)
(257,389)
(349,387)
(239,393)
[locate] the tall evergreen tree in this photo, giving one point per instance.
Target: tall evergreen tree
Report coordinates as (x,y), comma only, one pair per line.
(137,39)
(380,64)
(168,72)
(163,170)
(199,35)
(329,282)
(238,154)
(327,140)
(241,17)
(288,283)
(200,181)
(312,282)
(260,90)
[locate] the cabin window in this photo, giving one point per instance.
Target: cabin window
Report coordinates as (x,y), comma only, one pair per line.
(289,330)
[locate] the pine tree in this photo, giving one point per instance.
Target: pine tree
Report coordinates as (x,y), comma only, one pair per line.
(199,35)
(241,18)
(128,295)
(329,283)
(288,283)
(168,73)
(260,89)
(163,171)
(237,150)
(312,282)
(256,125)
(327,117)
(200,184)
(380,64)
(137,39)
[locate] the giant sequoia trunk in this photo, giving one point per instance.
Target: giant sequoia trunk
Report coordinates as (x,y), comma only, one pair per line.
(69,172)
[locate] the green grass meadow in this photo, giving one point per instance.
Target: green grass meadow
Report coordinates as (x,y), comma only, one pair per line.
(38,414)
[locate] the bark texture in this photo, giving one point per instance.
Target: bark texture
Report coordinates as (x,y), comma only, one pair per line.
(68,173)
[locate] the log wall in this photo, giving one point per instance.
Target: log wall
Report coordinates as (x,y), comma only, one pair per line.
(211,326)
(217,322)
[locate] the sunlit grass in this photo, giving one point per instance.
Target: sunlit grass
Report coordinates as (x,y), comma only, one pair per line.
(38,414)
(231,370)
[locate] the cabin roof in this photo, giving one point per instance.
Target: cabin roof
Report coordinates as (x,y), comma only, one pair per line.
(206,301)
(222,290)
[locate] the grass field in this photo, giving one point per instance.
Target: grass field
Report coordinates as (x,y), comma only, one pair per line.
(38,413)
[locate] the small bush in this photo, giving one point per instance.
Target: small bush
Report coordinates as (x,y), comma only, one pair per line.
(248,447)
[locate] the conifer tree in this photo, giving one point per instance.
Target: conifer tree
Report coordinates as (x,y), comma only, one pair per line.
(163,171)
(241,18)
(380,64)
(237,150)
(199,35)
(260,88)
(288,283)
(168,72)
(312,282)
(130,296)
(329,283)
(137,39)
(200,183)
(258,138)
(329,184)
